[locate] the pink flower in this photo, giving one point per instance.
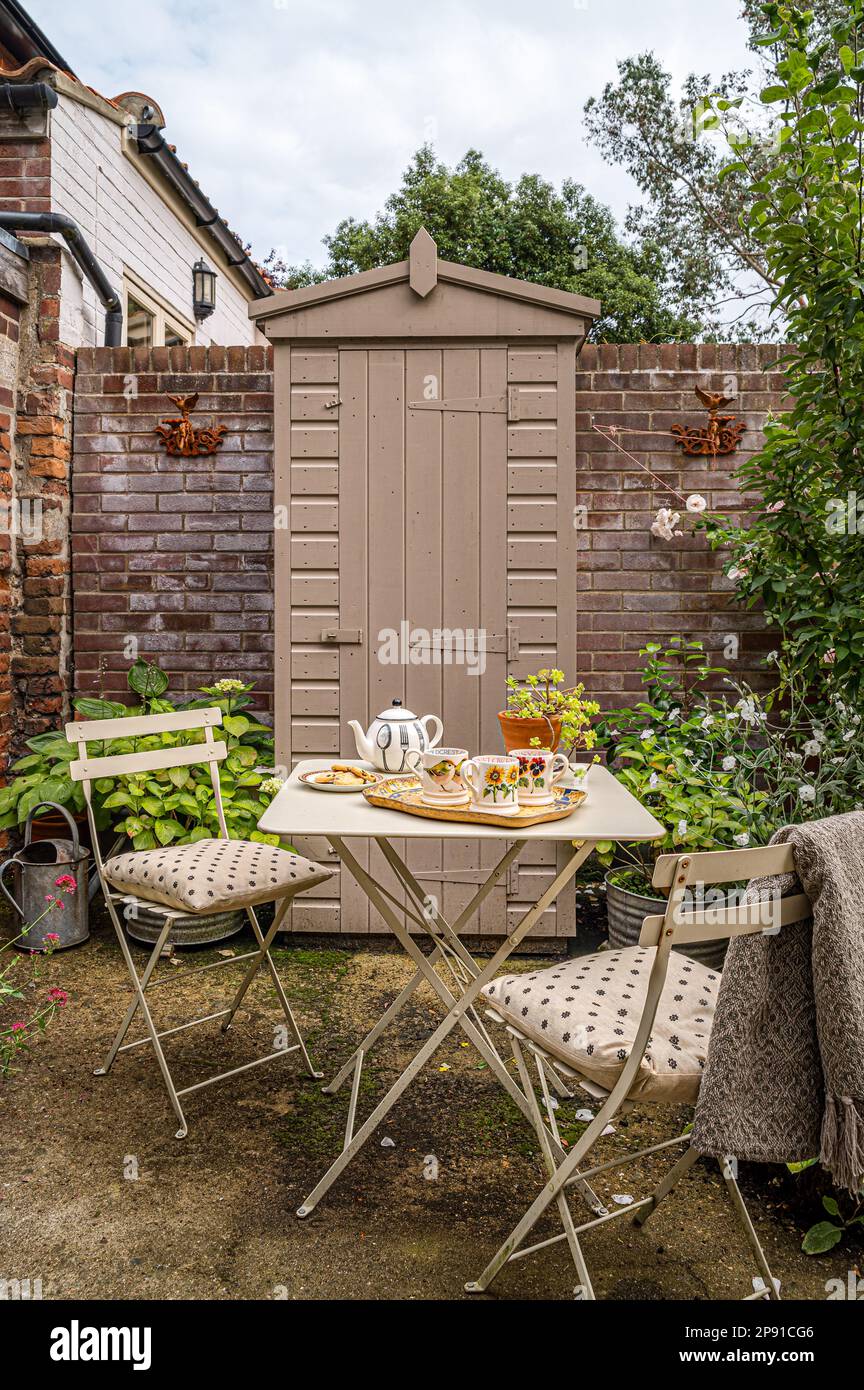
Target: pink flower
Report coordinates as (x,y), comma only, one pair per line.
(829,657)
(58,997)
(776,506)
(66,882)
(51,936)
(18,1028)
(49,897)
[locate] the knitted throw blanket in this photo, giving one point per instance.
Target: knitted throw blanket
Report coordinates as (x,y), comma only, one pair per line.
(784,1080)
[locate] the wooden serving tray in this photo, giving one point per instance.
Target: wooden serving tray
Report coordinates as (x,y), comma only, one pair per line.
(403,794)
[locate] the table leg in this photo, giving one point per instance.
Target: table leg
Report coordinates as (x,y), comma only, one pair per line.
(456,1013)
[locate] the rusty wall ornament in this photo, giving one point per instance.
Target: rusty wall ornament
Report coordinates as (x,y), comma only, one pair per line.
(722,434)
(181,438)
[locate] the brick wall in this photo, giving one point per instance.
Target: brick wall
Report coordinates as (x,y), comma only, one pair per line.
(634,587)
(41,639)
(173,557)
(9,329)
(176,555)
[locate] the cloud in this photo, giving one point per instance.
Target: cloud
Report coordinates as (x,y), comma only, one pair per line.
(294,114)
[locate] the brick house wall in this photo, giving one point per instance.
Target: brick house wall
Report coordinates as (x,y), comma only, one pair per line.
(173,558)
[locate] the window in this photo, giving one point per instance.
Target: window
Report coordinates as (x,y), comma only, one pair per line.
(149,321)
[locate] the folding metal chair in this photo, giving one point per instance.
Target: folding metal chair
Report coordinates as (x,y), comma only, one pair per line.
(529,1029)
(285,874)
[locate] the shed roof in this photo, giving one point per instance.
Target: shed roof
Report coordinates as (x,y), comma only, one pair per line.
(424,296)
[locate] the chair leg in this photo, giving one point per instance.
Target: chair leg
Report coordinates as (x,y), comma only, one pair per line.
(585,1289)
(669,1182)
(280,991)
(727,1169)
(140,1002)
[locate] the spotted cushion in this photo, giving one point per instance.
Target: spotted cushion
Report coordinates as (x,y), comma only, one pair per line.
(211,875)
(586,1012)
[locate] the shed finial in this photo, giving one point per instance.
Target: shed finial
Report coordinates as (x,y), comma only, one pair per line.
(423,264)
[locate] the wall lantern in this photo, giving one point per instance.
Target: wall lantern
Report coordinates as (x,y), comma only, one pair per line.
(203,290)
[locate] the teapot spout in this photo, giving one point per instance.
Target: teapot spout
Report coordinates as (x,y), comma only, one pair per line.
(364,747)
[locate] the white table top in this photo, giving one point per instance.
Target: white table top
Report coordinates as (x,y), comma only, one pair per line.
(609,812)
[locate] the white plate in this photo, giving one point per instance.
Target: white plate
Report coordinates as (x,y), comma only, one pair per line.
(310,780)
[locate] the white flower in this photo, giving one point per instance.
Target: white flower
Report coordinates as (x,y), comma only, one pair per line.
(707,721)
(812,748)
(673,714)
(228,686)
(653,780)
(664,524)
(743,839)
(806,792)
(747,711)
(772,657)
(682,827)
(696,502)
(647,735)
(729,763)
(849,735)
(272,786)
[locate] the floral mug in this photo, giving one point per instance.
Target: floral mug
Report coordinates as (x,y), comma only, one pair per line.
(492,782)
(539,770)
(440,773)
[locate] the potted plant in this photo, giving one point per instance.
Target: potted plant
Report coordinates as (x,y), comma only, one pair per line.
(541,713)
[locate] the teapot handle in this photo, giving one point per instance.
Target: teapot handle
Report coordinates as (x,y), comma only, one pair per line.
(11,864)
(430,738)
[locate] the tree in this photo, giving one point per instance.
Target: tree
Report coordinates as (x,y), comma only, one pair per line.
(528,230)
(802,554)
(665,143)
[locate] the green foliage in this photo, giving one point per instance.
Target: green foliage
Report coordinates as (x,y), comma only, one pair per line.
(173,806)
(542,696)
(801,556)
(527,230)
(826,1234)
(723,770)
(668,143)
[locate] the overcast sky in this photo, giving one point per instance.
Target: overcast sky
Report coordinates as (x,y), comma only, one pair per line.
(294,113)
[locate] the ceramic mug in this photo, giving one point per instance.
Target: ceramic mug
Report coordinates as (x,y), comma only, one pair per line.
(539,770)
(439,770)
(492,782)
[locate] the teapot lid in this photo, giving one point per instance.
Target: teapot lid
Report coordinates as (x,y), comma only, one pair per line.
(396,712)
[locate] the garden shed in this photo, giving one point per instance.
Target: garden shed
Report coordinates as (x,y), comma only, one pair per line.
(426,524)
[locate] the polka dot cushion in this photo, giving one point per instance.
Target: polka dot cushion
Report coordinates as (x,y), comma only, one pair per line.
(586,1012)
(212,875)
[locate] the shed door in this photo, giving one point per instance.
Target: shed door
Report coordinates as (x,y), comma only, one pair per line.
(423,503)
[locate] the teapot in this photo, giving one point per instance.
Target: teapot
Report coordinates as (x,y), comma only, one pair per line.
(392,734)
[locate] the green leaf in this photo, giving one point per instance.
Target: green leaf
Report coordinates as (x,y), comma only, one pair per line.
(146,679)
(236,724)
(144,840)
(168,830)
(831,1206)
(821,1238)
(99,709)
(769,94)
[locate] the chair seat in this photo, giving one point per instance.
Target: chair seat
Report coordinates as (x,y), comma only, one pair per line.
(211,875)
(586,1012)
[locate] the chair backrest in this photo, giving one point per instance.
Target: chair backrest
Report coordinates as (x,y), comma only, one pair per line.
(87,769)
(690,914)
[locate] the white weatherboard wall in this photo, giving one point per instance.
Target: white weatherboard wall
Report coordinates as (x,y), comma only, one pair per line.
(129,226)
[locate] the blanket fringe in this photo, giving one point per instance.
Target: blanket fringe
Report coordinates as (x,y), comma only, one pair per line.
(842,1148)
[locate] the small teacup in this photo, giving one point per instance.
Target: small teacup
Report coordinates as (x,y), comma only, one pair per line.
(539,771)
(492,782)
(439,770)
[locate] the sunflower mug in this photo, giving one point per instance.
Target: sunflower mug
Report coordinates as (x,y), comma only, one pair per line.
(539,771)
(492,781)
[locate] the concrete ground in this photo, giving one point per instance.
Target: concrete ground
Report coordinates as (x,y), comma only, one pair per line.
(99,1200)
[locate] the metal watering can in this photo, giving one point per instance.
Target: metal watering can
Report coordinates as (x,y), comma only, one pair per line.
(34,869)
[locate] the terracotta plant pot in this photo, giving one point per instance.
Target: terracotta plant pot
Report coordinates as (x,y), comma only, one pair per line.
(518,732)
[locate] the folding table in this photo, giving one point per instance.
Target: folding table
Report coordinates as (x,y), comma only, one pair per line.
(608,813)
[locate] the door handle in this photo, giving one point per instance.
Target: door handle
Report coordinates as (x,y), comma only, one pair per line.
(344,636)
